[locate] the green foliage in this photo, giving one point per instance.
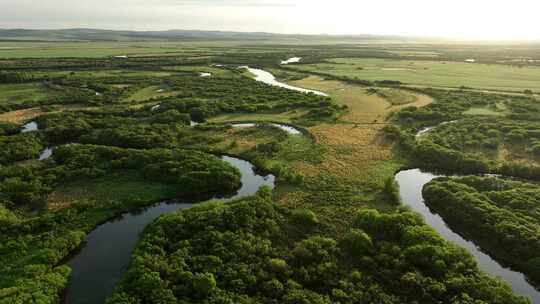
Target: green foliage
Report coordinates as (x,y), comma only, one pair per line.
(359,242)
(506,211)
(32,246)
(533,266)
(305,217)
(204,284)
(18,77)
(193,172)
(391,188)
(253,252)
(471,144)
(20,147)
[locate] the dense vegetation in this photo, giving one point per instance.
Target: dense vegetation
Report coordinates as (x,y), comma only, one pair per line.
(113,139)
(501,139)
(121,125)
(501,215)
(255,252)
(32,246)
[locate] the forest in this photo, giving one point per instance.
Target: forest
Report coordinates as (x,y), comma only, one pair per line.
(257,252)
(507,211)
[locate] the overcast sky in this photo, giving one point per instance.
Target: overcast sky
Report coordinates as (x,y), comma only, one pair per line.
(487,19)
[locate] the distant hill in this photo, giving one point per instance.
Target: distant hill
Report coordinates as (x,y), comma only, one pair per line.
(113,35)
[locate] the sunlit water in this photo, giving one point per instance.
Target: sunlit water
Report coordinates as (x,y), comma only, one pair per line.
(29,127)
(425,130)
(46,153)
(291,60)
(101,262)
(268,78)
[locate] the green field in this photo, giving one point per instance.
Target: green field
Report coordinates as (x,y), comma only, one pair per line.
(433,73)
(20,93)
(483,111)
(102,74)
(20,49)
(90,49)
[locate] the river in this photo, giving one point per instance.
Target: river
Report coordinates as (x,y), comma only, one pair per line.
(288,129)
(30,127)
(425,130)
(268,78)
(99,265)
(411,183)
(291,60)
(105,256)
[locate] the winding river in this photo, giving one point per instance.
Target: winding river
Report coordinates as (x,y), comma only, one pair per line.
(411,183)
(99,265)
(268,78)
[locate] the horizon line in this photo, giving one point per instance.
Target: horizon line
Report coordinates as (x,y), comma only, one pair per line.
(408,36)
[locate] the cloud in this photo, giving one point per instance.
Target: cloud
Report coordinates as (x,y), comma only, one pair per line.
(458,18)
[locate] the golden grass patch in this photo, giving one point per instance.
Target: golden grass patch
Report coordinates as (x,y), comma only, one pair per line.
(364,107)
(351,149)
(20,116)
(24,115)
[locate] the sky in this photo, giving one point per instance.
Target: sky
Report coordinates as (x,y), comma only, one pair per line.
(469,19)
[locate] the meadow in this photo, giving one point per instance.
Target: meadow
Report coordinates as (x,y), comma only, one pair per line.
(426,73)
(97,49)
(14,94)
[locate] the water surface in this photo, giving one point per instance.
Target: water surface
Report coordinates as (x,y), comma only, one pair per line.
(411,183)
(289,129)
(425,130)
(100,264)
(29,127)
(291,60)
(268,78)
(46,153)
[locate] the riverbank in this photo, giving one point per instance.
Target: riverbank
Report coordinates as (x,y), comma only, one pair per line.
(411,184)
(100,263)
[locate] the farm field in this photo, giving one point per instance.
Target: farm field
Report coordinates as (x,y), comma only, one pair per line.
(427,73)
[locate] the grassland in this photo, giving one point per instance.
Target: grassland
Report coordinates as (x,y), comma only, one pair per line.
(115,187)
(349,162)
(395,96)
(288,116)
(483,112)
(24,115)
(103,73)
(20,93)
(147,93)
(426,73)
(91,49)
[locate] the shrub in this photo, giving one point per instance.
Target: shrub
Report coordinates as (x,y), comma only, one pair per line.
(305,217)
